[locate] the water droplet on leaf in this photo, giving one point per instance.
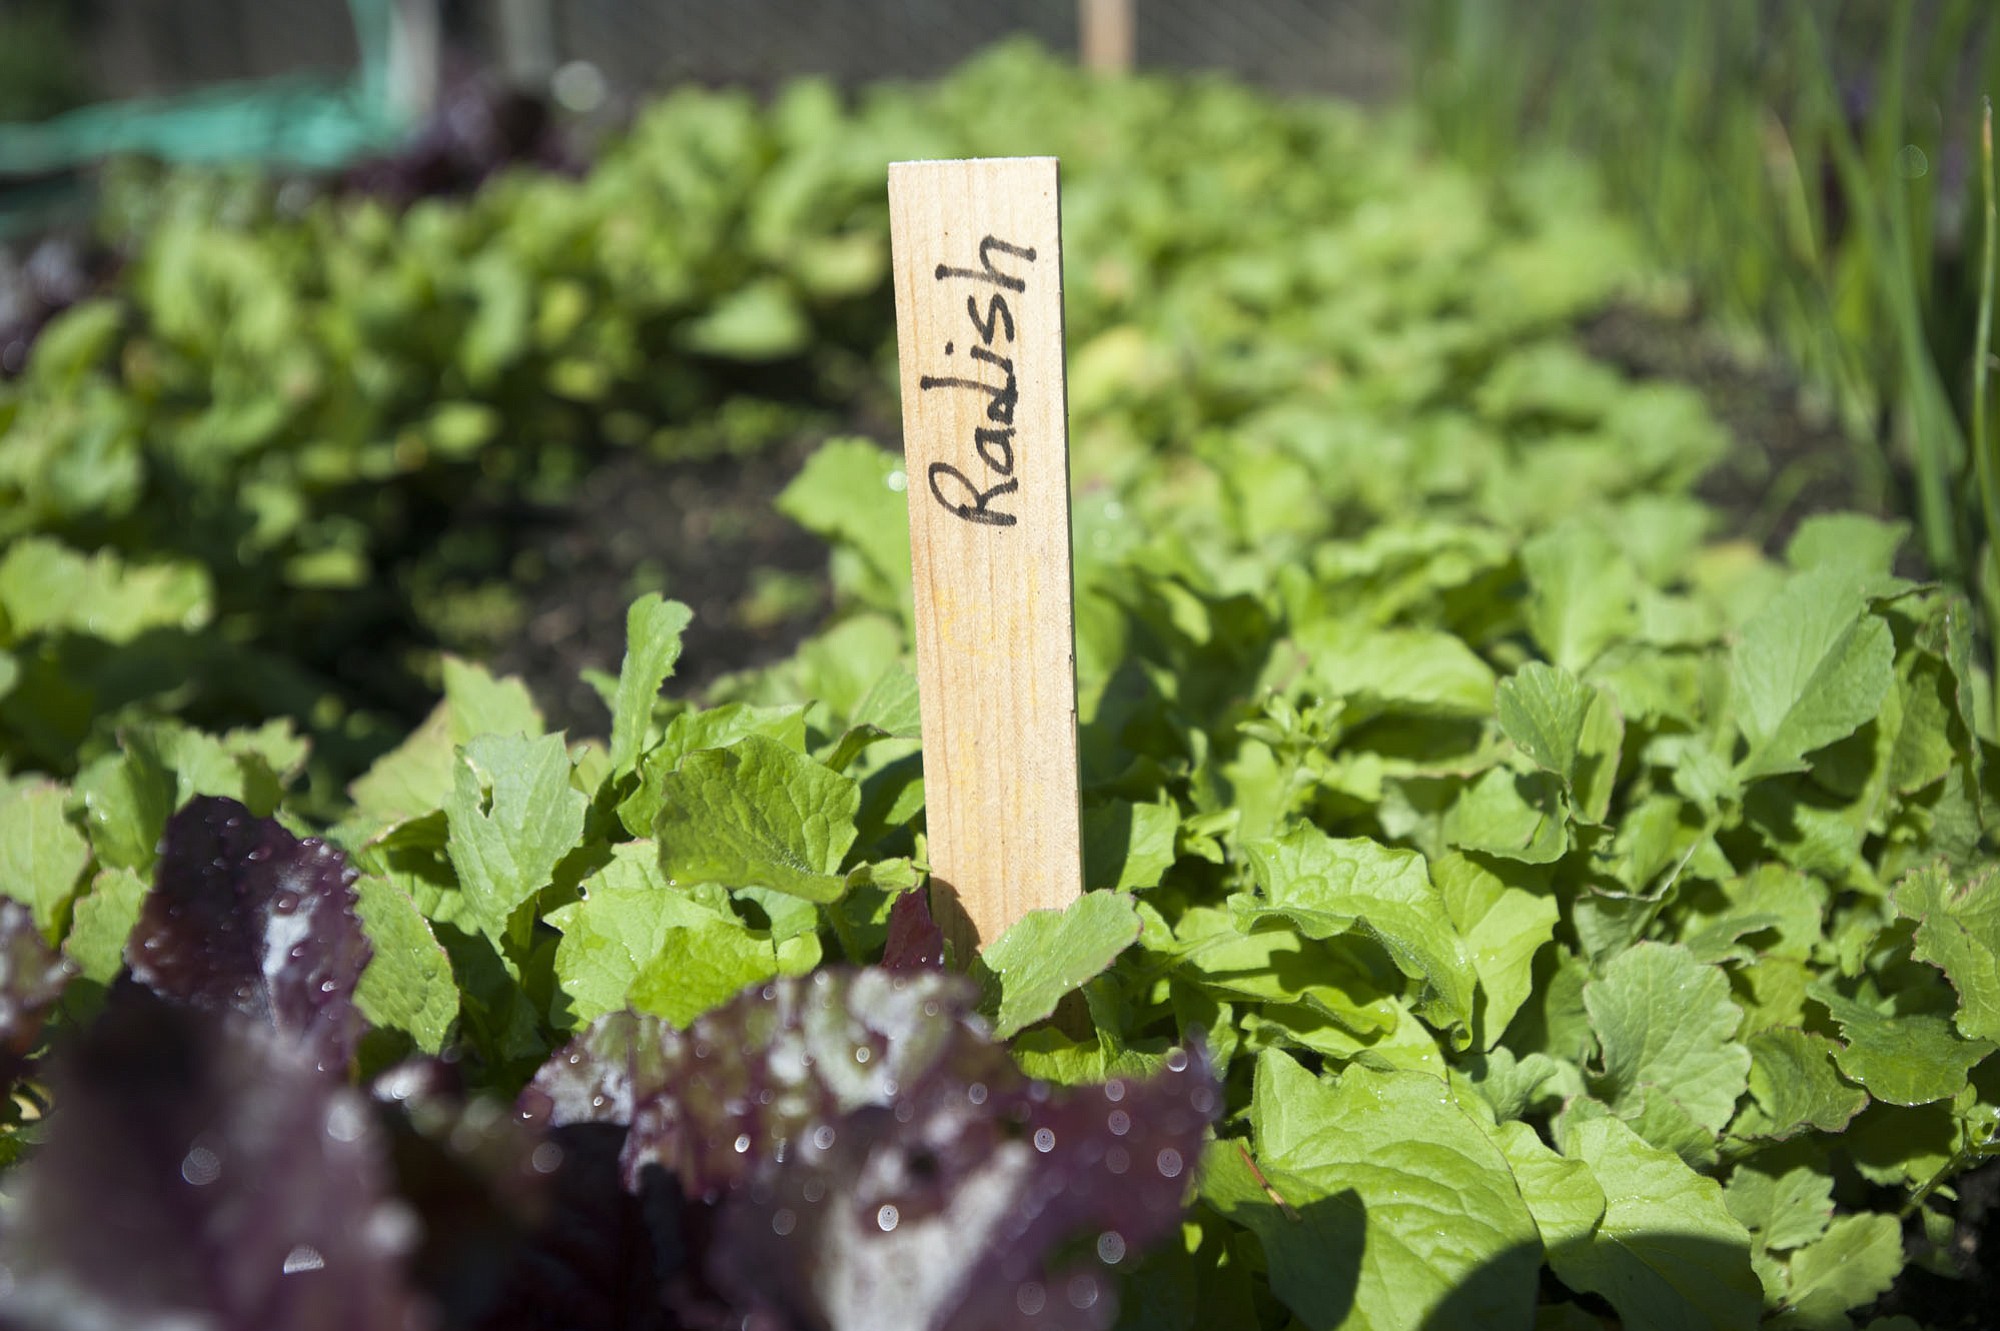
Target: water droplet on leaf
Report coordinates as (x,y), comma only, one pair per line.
(201,1166)
(303,1257)
(343,1121)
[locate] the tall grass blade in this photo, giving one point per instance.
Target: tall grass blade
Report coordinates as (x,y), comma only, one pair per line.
(1984,444)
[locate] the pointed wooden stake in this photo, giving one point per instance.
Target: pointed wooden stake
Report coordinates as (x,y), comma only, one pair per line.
(977,258)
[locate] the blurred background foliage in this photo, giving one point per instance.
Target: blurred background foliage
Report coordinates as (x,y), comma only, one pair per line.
(245,358)
(1812,168)
(1809,165)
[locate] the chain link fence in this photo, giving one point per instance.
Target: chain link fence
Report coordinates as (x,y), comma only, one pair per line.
(1319,45)
(132,48)
(129,47)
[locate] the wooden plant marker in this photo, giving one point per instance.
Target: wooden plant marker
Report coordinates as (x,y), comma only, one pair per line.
(977,261)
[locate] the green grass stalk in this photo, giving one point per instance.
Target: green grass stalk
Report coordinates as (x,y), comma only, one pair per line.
(1984,444)
(1889,248)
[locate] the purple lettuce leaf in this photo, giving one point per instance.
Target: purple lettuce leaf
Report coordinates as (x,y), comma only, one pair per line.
(916,943)
(246,917)
(198,1171)
(474,1175)
(764,1071)
(604,1259)
(1002,1216)
(876,1160)
(32,976)
(526,1230)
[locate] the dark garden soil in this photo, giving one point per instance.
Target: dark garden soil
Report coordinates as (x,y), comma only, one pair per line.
(702,532)
(1963,1293)
(1789,461)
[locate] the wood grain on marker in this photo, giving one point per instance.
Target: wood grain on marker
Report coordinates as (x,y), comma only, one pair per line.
(977,256)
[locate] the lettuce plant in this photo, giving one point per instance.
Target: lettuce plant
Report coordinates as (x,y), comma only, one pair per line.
(788,1159)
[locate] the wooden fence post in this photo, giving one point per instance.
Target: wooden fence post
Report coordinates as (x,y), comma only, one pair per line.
(1107,35)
